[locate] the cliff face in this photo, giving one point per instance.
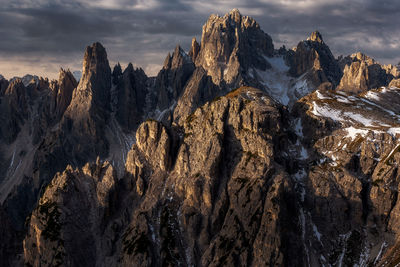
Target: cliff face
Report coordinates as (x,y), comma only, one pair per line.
(351,183)
(192,201)
(362,73)
(313,58)
(236,154)
(231,44)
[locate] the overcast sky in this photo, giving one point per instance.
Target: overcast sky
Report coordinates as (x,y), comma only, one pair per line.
(40,36)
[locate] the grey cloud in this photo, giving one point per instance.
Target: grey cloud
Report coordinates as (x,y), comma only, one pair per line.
(58,31)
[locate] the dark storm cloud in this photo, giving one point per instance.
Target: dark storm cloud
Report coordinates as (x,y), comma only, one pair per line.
(44,35)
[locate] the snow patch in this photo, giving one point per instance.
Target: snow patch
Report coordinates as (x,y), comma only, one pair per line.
(337,115)
(344,239)
(279,85)
(354,132)
(394,131)
(372,95)
(321,96)
(316,232)
(378,257)
(278,63)
(303,153)
(343,99)
(160,114)
(364,257)
(325,111)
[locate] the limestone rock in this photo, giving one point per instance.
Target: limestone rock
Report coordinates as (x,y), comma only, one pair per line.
(395,83)
(172,79)
(14,110)
(232,44)
(67,226)
(63,92)
(315,58)
(362,73)
(84,120)
(194,50)
(131,97)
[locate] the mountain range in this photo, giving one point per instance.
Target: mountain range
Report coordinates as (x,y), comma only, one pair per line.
(236,154)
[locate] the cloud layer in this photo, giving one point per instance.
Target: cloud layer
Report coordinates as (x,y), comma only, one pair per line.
(40,36)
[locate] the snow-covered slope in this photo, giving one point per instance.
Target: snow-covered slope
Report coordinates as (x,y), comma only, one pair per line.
(279,85)
(377,110)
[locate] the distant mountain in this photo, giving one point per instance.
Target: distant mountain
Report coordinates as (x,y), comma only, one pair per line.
(235,154)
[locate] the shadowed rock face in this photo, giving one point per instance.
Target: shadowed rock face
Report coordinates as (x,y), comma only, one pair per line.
(14,110)
(228,175)
(193,202)
(130,99)
(84,120)
(173,77)
(314,58)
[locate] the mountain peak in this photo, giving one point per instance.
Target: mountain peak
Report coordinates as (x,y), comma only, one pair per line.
(316,37)
(194,50)
(95,82)
(94,55)
(235,15)
(228,44)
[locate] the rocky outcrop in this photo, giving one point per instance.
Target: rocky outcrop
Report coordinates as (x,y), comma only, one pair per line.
(68,226)
(351,189)
(392,70)
(14,110)
(3,85)
(199,89)
(194,50)
(86,116)
(194,202)
(63,92)
(244,177)
(231,45)
(314,59)
(395,83)
(362,73)
(131,91)
(173,77)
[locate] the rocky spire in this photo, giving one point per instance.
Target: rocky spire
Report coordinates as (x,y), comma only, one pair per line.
(171,80)
(13,110)
(167,61)
(131,97)
(3,85)
(235,15)
(117,72)
(85,118)
(232,44)
(315,58)
(316,37)
(96,75)
(361,73)
(66,86)
(194,50)
(179,58)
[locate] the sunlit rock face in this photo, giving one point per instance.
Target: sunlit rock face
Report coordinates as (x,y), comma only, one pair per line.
(362,73)
(235,154)
(231,44)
